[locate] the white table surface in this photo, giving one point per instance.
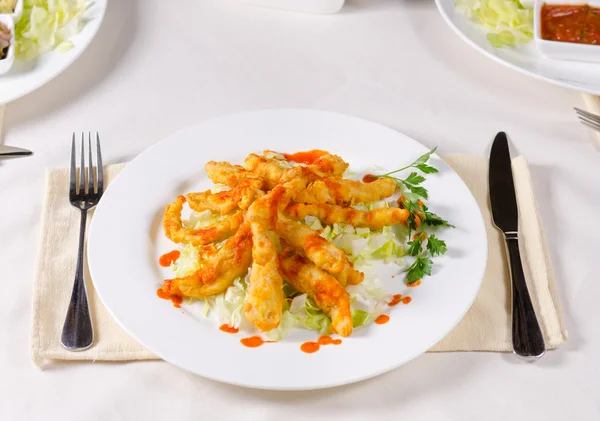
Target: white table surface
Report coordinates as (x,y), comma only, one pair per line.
(155,68)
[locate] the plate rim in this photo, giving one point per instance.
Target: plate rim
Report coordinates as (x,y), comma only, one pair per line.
(477,47)
(372,374)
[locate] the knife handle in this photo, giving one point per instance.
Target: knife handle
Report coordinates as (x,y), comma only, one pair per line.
(528,341)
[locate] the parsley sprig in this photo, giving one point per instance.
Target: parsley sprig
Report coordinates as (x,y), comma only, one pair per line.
(423,245)
(410,186)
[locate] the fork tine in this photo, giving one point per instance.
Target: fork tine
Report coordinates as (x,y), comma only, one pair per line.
(99,167)
(589,121)
(591,126)
(73,170)
(91,166)
(82,168)
(591,116)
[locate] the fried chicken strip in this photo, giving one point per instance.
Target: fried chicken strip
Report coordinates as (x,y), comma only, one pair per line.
(225,173)
(177,233)
(219,272)
(337,191)
(267,168)
(241,196)
(274,173)
(264,298)
(331,214)
(320,251)
(330,296)
(329,165)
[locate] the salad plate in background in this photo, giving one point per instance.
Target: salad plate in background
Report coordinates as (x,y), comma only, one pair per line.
(483,25)
(127,239)
(49,37)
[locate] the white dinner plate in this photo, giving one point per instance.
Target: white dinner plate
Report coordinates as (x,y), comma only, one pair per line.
(26,76)
(526,58)
(126,240)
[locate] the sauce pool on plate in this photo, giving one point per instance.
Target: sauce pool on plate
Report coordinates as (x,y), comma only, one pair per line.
(253,341)
(369,178)
(310,347)
(328,340)
(166,295)
(396,299)
(229,329)
(168,258)
(384,318)
(577,23)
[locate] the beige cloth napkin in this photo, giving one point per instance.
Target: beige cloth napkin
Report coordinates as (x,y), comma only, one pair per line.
(486,327)
(2,107)
(592,104)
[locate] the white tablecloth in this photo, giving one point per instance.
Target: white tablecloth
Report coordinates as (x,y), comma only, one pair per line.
(156,67)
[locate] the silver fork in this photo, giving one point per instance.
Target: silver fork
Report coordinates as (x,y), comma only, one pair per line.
(589,119)
(78,333)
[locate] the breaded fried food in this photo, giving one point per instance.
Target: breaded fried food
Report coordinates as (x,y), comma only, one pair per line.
(225,173)
(320,251)
(267,168)
(329,165)
(219,272)
(332,214)
(218,232)
(337,191)
(240,197)
(272,170)
(264,297)
(329,295)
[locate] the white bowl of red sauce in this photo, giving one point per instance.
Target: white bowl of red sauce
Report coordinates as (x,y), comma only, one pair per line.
(568,29)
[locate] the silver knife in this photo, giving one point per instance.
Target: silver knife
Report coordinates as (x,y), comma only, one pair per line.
(6,151)
(528,341)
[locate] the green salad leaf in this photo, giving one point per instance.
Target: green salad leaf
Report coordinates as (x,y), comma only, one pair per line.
(46,25)
(507,22)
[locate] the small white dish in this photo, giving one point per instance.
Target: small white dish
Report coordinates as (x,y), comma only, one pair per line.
(304,6)
(26,77)
(526,58)
(17,13)
(559,49)
(7,62)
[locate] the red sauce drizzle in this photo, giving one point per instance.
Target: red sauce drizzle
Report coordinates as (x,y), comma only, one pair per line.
(396,299)
(253,341)
(165,294)
(310,347)
(168,258)
(406,300)
(384,318)
(369,178)
(415,284)
(228,329)
(308,157)
(328,340)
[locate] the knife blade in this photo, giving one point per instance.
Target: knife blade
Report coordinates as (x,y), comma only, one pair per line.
(6,151)
(528,341)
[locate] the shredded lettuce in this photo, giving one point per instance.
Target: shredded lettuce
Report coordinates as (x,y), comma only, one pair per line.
(202,219)
(46,25)
(508,23)
(362,244)
(187,263)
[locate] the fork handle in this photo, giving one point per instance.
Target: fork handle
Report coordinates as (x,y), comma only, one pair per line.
(528,341)
(77,333)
